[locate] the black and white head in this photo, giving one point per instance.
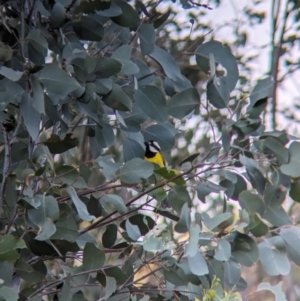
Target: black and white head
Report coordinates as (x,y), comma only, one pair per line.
(152,146)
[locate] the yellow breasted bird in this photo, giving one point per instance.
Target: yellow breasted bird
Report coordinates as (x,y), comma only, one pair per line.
(153,153)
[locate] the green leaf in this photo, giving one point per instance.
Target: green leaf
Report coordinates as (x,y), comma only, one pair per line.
(9,243)
(275,289)
(10,73)
(37,95)
(218,92)
(57,15)
(184,223)
(89,27)
(125,293)
(66,228)
(37,47)
(123,55)
(223,251)
(93,258)
(117,99)
(112,199)
(277,216)
(169,174)
(147,38)
(177,197)
(6,52)
(273,257)
(108,167)
(192,247)
(28,273)
(232,272)
(158,239)
(257,227)
(57,81)
(251,202)
(213,223)
(164,134)
(30,115)
(129,17)
(197,264)
(66,293)
(222,56)
(111,286)
(205,188)
(135,170)
(293,167)
(106,67)
(152,101)
(58,146)
(44,215)
(183,103)
(132,149)
(80,206)
(292,243)
(167,62)
(133,231)
(8,294)
(278,150)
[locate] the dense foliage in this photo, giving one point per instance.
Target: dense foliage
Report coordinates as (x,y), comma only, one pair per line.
(83,85)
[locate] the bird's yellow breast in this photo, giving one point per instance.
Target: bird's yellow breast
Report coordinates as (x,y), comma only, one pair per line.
(157,159)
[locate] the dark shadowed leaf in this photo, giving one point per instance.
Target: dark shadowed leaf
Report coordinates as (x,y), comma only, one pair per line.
(109,236)
(117,99)
(58,146)
(89,28)
(129,17)
(244,249)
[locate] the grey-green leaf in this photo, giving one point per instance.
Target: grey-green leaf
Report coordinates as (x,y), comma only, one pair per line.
(135,170)
(197,264)
(151,100)
(183,103)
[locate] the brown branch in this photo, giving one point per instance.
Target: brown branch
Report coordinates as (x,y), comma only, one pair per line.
(6,166)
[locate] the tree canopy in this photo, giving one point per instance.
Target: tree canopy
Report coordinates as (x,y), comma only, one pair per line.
(82,85)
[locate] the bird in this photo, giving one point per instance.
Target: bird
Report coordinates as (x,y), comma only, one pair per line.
(153,153)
